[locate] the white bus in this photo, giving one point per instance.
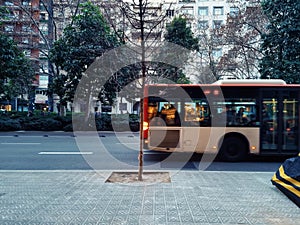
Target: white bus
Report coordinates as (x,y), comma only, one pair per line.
(231,118)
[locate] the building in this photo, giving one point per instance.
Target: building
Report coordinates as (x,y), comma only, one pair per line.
(36,24)
(26,25)
(220,52)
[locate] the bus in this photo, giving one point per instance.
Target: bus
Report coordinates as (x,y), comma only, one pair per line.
(229,118)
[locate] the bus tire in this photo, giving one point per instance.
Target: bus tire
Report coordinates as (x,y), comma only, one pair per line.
(233,149)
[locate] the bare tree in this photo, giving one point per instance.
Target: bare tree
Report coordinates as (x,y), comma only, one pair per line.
(242,39)
(230,49)
(140,24)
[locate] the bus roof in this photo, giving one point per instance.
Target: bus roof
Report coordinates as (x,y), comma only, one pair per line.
(251,81)
(238,82)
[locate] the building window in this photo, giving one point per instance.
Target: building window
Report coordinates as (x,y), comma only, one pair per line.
(42,41)
(27,52)
(26,2)
(187,11)
(25,40)
(44,28)
(42,7)
(217,24)
(11,15)
(8,3)
(16,14)
(170,12)
(203,24)
(43,54)
(217,53)
(43,66)
(26,28)
(218,11)
(203,11)
(234,11)
(43,81)
(9,28)
(202,37)
(43,16)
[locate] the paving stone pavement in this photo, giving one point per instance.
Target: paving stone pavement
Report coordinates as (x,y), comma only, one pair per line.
(192,197)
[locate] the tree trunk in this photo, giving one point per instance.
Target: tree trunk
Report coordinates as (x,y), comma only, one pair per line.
(62,110)
(141,152)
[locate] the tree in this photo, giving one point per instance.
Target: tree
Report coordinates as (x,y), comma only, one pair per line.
(281,42)
(180,34)
(231,48)
(3,11)
(52,18)
(145,19)
(16,74)
(87,37)
(241,37)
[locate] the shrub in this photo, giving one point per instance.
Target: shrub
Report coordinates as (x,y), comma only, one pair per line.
(17,115)
(9,125)
(50,125)
(47,124)
(125,122)
(134,122)
(12,121)
(120,125)
(68,128)
(65,120)
(103,122)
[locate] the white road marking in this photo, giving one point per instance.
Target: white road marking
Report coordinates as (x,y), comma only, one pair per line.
(20,143)
(128,143)
(66,153)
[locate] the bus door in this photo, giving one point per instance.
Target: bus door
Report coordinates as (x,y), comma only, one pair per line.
(279,121)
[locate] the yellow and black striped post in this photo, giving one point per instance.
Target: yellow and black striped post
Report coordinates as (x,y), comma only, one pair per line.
(287,179)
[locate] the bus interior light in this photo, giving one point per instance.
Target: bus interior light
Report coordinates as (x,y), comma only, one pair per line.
(206,92)
(145,125)
(216,92)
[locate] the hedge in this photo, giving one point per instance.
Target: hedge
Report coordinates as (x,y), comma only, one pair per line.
(13,121)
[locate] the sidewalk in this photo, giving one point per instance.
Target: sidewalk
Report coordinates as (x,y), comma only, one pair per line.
(83,197)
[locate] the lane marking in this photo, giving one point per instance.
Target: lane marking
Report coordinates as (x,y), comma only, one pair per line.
(65,153)
(127,143)
(20,143)
(39,136)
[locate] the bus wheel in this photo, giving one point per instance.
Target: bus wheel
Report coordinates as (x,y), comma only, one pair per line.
(233,149)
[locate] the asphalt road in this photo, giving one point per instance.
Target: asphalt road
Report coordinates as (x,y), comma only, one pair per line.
(107,151)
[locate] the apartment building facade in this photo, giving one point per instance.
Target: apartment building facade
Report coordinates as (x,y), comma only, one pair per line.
(36,24)
(26,24)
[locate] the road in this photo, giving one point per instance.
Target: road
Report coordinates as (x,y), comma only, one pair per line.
(64,151)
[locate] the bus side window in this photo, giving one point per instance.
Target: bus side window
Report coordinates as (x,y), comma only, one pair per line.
(246,116)
(170,115)
(231,116)
(241,116)
(265,113)
(152,111)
